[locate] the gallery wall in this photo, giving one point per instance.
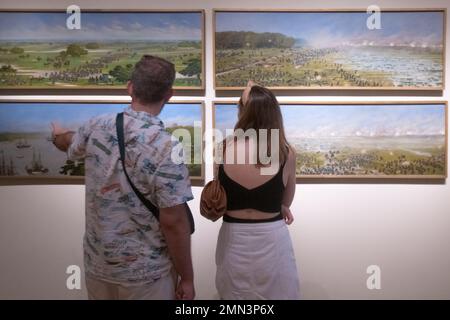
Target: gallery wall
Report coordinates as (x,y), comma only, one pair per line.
(340,228)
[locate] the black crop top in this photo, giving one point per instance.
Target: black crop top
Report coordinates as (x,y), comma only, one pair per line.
(266,197)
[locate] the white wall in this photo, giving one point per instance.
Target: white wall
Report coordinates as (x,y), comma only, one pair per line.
(340,229)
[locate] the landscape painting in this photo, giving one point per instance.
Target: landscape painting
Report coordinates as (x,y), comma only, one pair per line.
(37,50)
(26,149)
(354,140)
(330,49)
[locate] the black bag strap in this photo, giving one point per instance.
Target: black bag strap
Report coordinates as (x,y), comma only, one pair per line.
(120,137)
(147,203)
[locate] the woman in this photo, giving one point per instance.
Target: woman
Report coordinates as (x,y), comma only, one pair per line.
(254,256)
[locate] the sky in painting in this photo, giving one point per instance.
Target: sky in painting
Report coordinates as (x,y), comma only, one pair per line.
(41,26)
(351,120)
(36,117)
(325,28)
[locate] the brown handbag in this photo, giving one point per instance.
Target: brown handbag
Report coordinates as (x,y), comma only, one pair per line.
(213,201)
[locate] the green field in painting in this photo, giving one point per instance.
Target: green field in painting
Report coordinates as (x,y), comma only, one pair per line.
(329,67)
(94,64)
(427,161)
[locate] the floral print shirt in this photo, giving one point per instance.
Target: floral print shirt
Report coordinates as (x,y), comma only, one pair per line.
(123,242)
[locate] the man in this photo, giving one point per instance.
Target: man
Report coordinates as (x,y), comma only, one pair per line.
(129,254)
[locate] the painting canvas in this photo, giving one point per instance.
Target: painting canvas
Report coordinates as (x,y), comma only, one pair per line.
(37,50)
(330,49)
(352,140)
(26,150)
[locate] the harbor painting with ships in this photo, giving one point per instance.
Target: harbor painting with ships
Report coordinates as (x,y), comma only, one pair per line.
(26,148)
(30,154)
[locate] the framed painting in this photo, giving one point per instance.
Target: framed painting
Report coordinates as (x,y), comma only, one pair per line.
(330,49)
(38,51)
(346,140)
(27,155)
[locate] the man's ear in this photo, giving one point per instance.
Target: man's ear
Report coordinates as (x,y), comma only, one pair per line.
(168,95)
(130,88)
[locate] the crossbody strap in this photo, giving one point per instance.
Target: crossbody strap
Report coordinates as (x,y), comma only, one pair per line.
(120,137)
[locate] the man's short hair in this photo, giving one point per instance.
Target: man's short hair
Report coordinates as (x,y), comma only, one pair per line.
(152,78)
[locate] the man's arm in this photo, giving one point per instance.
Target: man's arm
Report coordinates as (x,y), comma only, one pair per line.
(74,143)
(176,230)
(171,189)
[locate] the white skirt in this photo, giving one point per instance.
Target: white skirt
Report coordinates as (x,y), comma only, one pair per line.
(255,261)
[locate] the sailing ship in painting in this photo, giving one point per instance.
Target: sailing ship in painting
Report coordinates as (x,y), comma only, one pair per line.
(7,168)
(36,167)
(22,144)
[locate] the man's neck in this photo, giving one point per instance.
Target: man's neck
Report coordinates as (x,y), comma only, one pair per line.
(154,108)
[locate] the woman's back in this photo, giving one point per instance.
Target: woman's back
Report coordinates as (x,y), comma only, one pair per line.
(250,193)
